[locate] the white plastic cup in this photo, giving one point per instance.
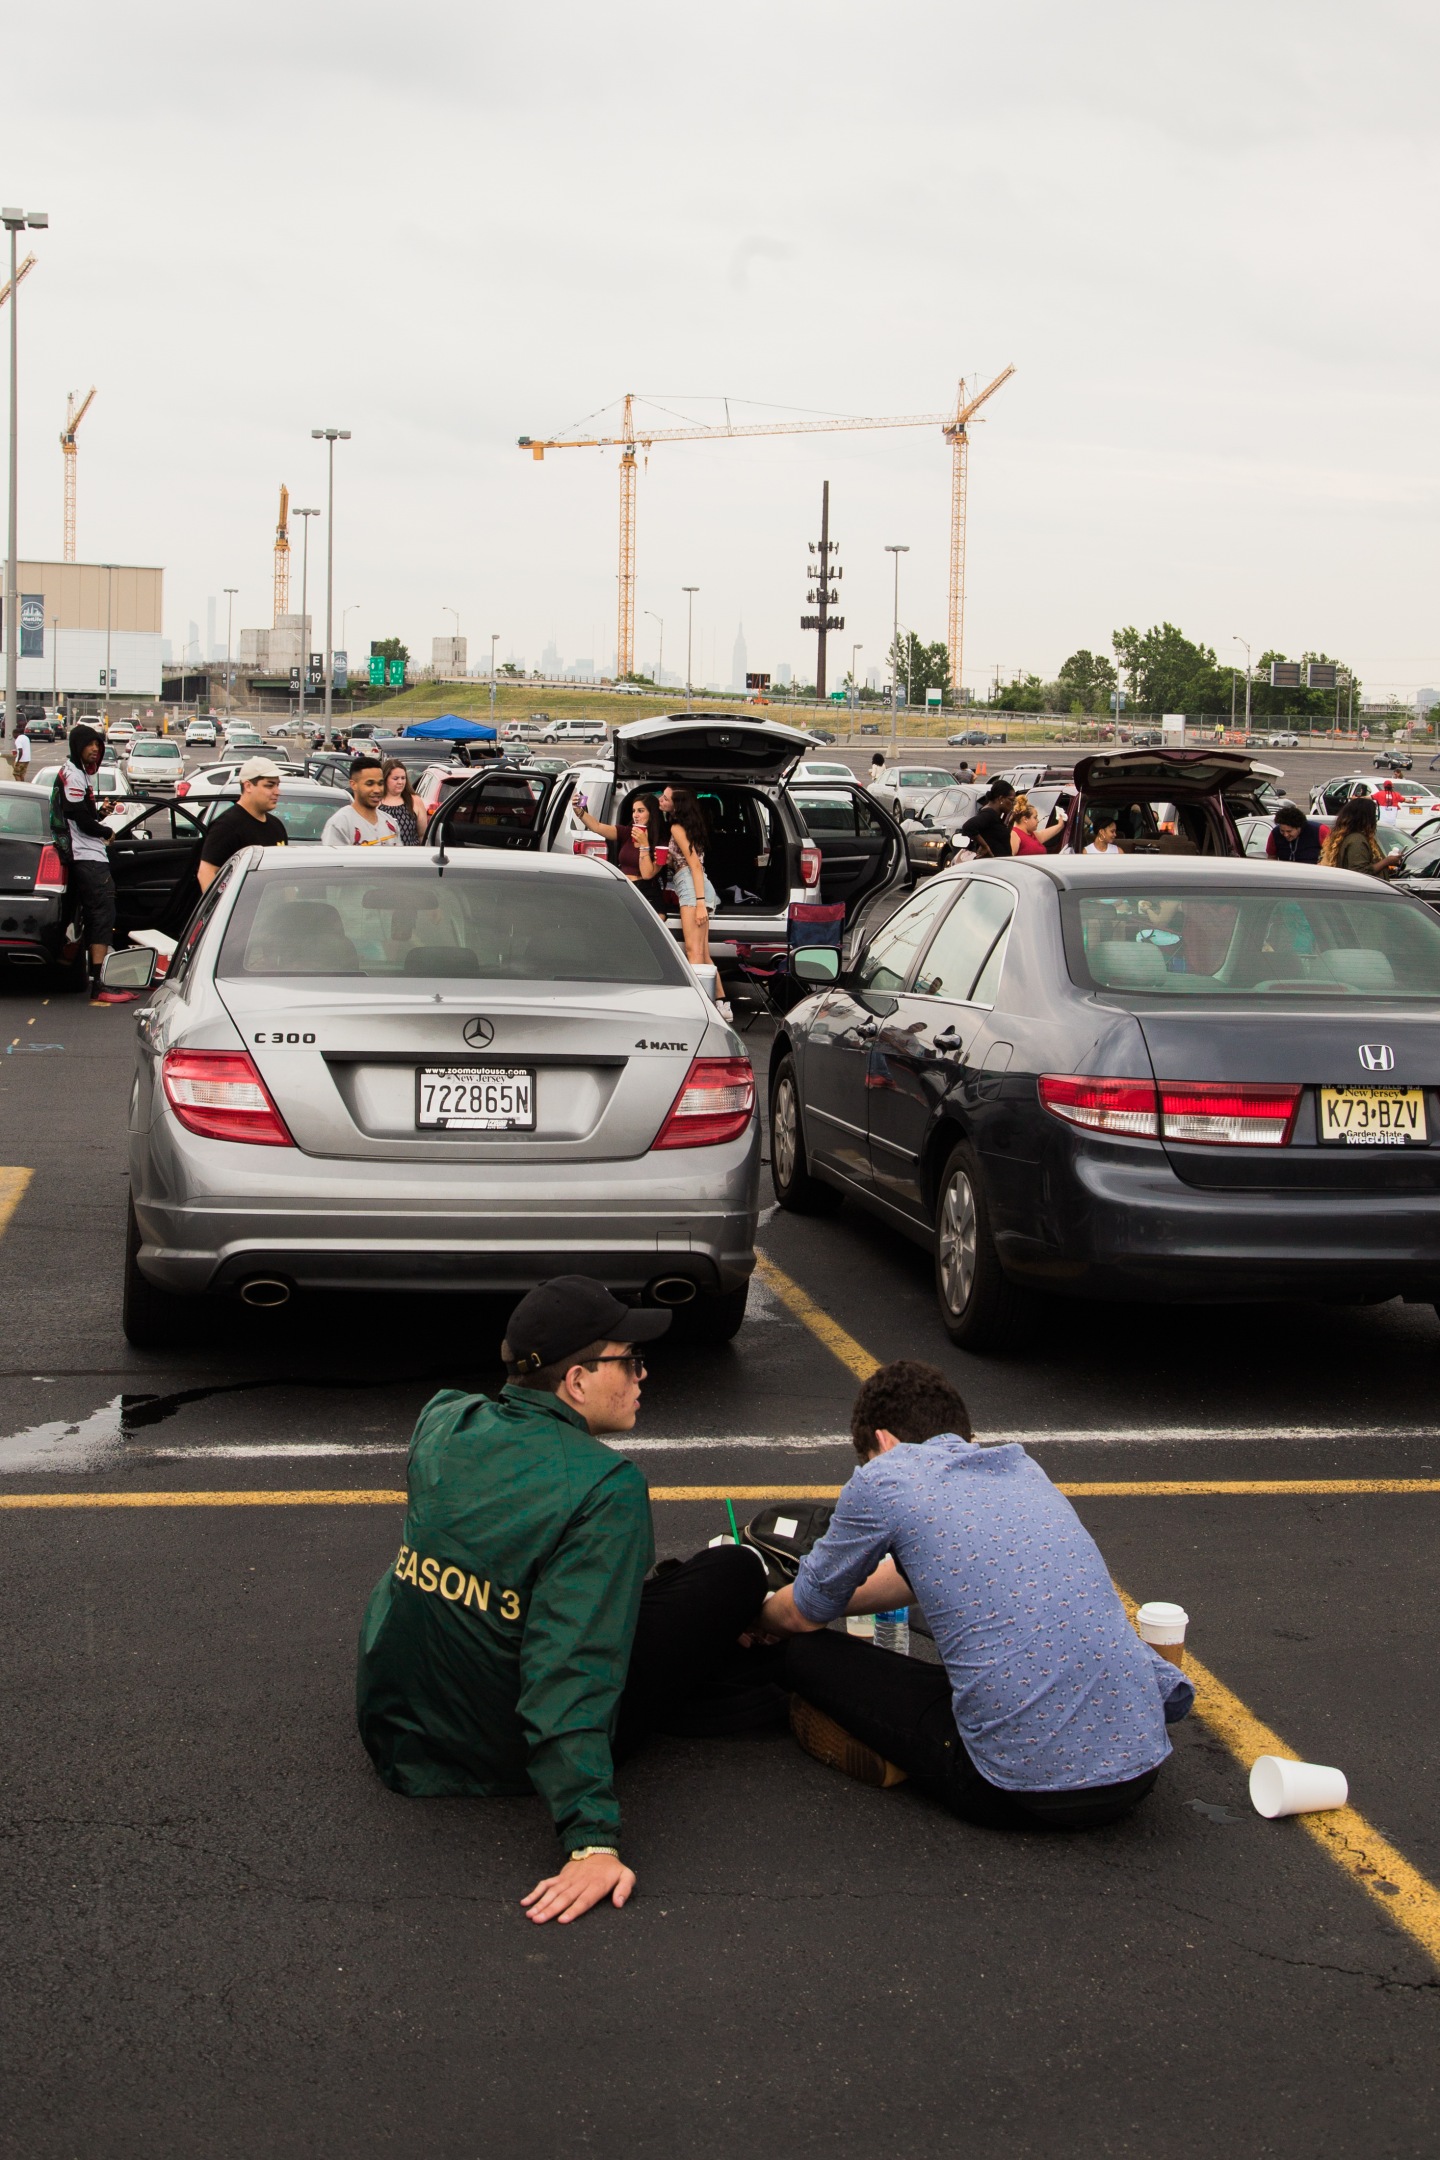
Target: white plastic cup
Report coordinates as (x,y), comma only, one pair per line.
(1163,1627)
(1281,1787)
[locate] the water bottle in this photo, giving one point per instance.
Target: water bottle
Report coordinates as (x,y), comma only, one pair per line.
(892,1630)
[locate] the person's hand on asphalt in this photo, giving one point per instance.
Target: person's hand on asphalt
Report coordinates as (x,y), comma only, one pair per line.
(579,1885)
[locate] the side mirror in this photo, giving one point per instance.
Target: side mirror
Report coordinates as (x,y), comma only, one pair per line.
(133,969)
(815,964)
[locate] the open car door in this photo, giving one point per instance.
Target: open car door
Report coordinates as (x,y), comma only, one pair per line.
(504,809)
(862,848)
(153,861)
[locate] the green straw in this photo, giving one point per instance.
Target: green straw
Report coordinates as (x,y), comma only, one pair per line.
(734,1526)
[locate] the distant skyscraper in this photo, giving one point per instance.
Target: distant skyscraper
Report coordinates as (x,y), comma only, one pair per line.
(212,649)
(784,674)
(550,659)
(192,644)
(739,661)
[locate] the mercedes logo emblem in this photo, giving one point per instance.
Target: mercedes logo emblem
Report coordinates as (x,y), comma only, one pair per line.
(479,1033)
(1377,1057)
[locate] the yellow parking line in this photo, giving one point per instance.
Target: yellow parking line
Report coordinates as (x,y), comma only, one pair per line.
(339,1496)
(822,1327)
(12,1188)
(1403,1894)
(1243,1488)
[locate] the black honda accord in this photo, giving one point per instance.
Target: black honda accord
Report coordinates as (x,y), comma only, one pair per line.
(1129,1077)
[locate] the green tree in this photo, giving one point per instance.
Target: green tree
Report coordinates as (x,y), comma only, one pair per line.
(1169,672)
(389,648)
(1086,683)
(1023,693)
(919,667)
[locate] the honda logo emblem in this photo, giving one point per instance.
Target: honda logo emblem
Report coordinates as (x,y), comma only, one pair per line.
(1377,1057)
(479,1033)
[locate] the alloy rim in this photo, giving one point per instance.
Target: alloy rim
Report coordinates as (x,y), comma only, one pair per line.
(783,1138)
(958,1242)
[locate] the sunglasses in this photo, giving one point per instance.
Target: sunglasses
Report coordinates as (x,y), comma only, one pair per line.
(631,1358)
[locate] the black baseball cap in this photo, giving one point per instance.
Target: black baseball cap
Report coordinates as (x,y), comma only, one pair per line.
(568,1313)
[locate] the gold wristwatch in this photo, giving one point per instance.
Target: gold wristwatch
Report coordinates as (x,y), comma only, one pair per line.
(589,1852)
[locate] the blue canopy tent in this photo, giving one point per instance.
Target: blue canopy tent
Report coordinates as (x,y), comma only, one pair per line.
(451,728)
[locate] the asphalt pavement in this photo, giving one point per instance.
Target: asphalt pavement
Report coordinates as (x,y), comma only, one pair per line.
(223,1936)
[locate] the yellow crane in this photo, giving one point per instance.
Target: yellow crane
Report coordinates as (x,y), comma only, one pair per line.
(636,435)
(73,416)
(282,555)
(24,271)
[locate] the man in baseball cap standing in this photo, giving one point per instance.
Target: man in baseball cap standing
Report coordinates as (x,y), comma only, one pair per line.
(250,823)
(515,1645)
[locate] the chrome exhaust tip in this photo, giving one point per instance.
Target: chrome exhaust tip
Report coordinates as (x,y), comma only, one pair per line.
(265,1291)
(671,1290)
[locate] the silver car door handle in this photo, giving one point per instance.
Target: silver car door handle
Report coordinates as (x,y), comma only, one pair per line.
(950,1039)
(867,1030)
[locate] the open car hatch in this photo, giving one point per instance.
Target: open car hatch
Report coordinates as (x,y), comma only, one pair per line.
(691,747)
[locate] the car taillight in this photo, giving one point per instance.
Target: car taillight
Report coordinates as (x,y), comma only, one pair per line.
(716,1103)
(219,1094)
(809,862)
(1114,1106)
(1247,1114)
(1212,1113)
(590,844)
(50,875)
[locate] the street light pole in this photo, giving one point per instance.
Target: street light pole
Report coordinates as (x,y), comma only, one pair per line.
(494,641)
(660,666)
(897,552)
(15,221)
(1243,641)
(854,678)
(109,671)
(230,592)
(690,592)
(330,436)
(304,602)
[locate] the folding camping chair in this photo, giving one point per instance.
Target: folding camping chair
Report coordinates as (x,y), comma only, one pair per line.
(764,970)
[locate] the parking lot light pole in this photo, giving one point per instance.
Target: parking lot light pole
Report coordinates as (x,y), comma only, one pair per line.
(330,436)
(1235,639)
(230,592)
(854,678)
(15,221)
(494,641)
(306,515)
(690,592)
(897,552)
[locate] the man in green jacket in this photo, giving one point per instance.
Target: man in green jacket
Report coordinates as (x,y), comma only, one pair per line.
(515,1645)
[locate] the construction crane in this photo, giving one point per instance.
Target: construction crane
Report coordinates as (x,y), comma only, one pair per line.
(24,271)
(633,436)
(282,556)
(73,416)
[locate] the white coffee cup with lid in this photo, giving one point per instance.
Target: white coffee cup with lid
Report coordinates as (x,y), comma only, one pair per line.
(1163,1627)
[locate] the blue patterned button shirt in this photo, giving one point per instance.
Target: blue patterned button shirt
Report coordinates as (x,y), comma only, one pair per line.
(1053,1689)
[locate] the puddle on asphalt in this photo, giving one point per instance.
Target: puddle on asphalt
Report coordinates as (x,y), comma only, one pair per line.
(68,1444)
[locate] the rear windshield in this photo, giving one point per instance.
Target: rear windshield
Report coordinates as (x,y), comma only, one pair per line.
(1178,945)
(416,924)
(24,817)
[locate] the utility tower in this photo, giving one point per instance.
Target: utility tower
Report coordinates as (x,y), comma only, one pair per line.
(823,593)
(73,417)
(282,560)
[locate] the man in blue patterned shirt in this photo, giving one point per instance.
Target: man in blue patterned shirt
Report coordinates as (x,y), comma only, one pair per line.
(1047,1709)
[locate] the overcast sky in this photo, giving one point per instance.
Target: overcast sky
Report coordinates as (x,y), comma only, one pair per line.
(1204,237)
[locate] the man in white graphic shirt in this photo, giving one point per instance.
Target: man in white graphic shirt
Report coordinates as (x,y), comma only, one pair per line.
(365,824)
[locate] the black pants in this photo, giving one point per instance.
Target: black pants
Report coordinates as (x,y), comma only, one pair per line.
(92,884)
(686,1640)
(901,1707)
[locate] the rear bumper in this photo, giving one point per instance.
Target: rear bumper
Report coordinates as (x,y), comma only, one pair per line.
(32,930)
(1109,1220)
(327,1225)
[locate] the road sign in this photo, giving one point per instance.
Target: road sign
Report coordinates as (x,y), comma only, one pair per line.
(395,674)
(377,671)
(340,662)
(1285,674)
(935,698)
(757,682)
(1320,675)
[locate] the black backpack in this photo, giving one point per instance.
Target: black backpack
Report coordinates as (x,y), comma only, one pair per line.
(783,1534)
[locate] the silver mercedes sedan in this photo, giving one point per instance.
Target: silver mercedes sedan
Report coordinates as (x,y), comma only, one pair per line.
(382,1069)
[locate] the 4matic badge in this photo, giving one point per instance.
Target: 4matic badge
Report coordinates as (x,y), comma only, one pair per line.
(645,1044)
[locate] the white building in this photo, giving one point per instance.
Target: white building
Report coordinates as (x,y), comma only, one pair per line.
(275,652)
(448,655)
(89,628)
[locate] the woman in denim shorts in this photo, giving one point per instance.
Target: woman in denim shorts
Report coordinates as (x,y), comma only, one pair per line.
(688,881)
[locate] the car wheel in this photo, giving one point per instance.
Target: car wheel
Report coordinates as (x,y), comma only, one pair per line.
(981,1308)
(713,1316)
(153,1319)
(795,1188)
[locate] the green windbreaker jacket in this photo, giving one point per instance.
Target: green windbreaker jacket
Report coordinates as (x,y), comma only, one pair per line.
(494,1650)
